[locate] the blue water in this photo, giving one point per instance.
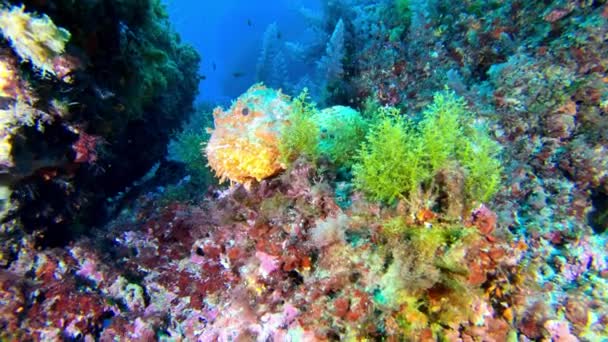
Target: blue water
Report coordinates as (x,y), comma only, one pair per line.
(229,35)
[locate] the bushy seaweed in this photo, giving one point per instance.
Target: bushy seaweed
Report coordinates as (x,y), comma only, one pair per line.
(300,136)
(441,130)
(400,159)
(426,263)
(186,145)
(403,18)
(478,155)
(449,134)
(388,163)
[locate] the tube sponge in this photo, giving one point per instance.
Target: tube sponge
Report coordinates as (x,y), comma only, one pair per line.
(35,39)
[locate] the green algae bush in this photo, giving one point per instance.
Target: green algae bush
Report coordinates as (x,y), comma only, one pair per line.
(388,163)
(301,136)
(449,134)
(400,158)
(186,144)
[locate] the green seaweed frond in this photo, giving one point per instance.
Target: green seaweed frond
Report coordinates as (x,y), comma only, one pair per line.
(441,130)
(300,136)
(400,159)
(479,156)
(388,163)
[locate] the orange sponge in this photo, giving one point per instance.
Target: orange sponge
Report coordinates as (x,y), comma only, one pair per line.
(243,145)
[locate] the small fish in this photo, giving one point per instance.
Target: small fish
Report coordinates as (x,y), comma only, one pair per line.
(238,74)
(213,66)
(279,35)
(119,107)
(203,77)
(103,94)
(249,22)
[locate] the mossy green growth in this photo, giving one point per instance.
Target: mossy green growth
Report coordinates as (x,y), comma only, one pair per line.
(404,12)
(388,164)
(394,227)
(411,317)
(449,133)
(160,67)
(402,19)
(401,158)
(371,106)
(479,157)
(300,136)
(426,241)
(186,148)
(187,144)
(441,130)
(342,129)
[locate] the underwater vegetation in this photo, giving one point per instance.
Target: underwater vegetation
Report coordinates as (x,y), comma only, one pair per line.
(84,87)
(401,159)
(300,136)
(408,171)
